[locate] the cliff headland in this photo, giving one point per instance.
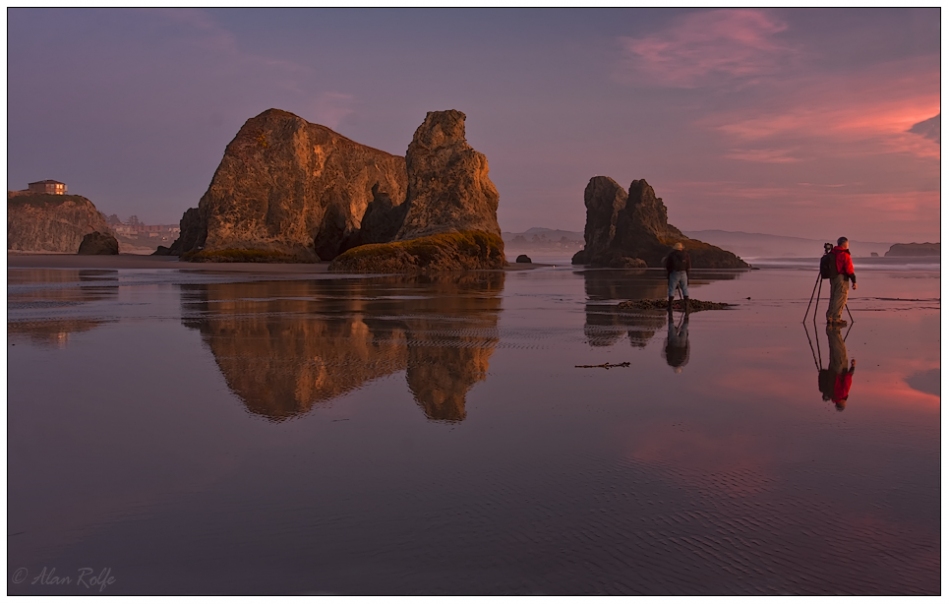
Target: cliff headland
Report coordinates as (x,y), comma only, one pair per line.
(50,223)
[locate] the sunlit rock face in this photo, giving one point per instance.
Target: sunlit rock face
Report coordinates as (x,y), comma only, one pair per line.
(623,228)
(448,185)
(51,223)
(284,347)
(291,187)
(449,218)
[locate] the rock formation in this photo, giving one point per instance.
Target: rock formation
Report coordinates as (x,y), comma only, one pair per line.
(630,230)
(290,188)
(99,244)
(51,223)
(448,185)
(450,209)
(191,237)
(913,249)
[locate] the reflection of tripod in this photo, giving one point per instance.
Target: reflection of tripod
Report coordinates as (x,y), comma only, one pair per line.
(817,288)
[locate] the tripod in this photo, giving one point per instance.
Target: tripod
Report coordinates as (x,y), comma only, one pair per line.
(817,288)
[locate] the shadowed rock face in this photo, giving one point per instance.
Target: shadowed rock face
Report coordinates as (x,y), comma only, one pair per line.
(625,227)
(448,185)
(284,347)
(193,233)
(288,186)
(99,244)
(51,223)
(382,220)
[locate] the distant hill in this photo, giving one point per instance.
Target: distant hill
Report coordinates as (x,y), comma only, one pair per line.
(542,239)
(762,245)
(746,245)
(914,249)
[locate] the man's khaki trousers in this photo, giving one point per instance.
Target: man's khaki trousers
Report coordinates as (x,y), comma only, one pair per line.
(838,297)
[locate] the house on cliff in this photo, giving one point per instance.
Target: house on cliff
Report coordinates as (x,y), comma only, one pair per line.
(47,187)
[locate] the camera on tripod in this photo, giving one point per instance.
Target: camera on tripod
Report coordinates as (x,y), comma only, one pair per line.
(828,247)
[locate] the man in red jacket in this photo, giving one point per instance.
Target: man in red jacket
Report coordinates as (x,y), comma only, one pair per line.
(838,283)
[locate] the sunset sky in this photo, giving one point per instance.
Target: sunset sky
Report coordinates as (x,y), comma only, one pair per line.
(800,122)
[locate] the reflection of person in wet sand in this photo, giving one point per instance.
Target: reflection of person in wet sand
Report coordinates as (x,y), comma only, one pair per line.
(834,382)
(677,343)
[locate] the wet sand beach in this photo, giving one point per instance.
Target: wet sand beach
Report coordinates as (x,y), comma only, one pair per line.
(271,430)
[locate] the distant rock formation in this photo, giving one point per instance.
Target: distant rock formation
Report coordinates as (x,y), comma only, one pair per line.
(450,210)
(630,230)
(913,249)
(448,185)
(99,244)
(51,223)
(290,188)
(523,259)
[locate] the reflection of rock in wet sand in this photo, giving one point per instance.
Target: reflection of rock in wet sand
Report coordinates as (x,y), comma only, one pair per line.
(606,324)
(38,291)
(285,346)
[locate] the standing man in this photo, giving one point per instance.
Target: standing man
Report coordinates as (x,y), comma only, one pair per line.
(678,265)
(838,283)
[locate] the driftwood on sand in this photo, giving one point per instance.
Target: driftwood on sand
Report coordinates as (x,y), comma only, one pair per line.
(604,365)
(694,305)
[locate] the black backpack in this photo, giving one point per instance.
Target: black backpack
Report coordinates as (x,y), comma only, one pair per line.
(828,266)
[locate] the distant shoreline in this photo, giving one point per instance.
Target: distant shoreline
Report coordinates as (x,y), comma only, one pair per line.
(137,261)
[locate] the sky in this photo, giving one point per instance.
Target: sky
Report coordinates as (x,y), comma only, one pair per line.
(799,122)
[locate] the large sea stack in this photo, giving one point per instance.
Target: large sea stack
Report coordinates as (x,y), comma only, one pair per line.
(450,210)
(287,189)
(448,185)
(631,229)
(50,223)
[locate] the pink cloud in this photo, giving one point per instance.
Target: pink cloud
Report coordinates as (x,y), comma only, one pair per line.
(204,32)
(702,47)
(768,156)
(213,37)
(866,112)
(331,108)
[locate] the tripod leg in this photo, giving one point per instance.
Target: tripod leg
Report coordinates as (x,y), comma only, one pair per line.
(811,344)
(808,311)
(817,302)
(849,313)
